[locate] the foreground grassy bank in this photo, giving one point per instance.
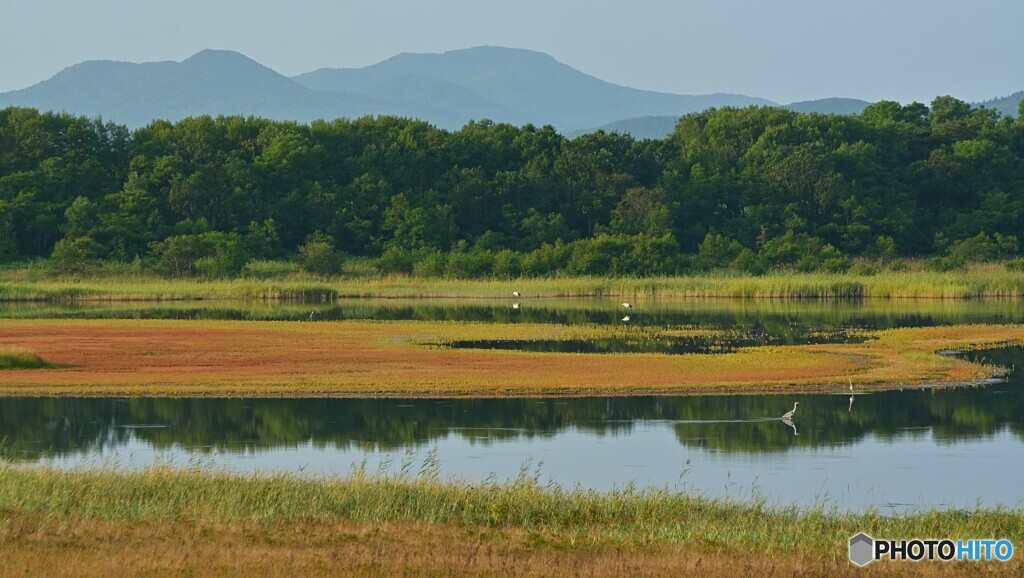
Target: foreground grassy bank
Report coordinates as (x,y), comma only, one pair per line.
(368,524)
(409,358)
(992,280)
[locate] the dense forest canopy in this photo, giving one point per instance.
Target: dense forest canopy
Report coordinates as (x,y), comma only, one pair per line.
(752,189)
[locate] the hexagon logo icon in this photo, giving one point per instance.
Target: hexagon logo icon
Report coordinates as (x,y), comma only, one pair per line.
(862,549)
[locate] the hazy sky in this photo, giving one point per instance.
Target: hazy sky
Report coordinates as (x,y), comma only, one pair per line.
(784,50)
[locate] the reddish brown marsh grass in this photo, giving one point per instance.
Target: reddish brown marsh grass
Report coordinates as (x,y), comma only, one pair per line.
(367,358)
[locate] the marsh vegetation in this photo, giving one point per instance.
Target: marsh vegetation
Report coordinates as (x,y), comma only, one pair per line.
(632,523)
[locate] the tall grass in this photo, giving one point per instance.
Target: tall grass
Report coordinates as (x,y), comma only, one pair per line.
(632,515)
(154,289)
(20,359)
(982,281)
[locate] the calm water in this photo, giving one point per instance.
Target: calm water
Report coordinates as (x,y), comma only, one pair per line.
(894,450)
(936,447)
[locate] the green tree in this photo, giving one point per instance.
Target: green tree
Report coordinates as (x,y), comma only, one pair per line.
(318,256)
(213,254)
(717,251)
(75,256)
(642,211)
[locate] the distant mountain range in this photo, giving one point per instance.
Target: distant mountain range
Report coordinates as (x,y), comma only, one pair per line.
(1007,105)
(658,127)
(514,86)
(830,106)
(210,82)
(447,89)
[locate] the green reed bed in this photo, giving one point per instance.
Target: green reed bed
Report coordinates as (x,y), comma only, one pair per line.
(987,281)
(629,515)
(984,281)
(976,283)
(114,289)
(19,359)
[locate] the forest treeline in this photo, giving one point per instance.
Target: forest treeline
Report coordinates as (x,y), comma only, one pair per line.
(750,189)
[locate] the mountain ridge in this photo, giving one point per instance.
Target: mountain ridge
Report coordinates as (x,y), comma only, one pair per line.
(209,82)
(448,89)
(537,85)
(1008,105)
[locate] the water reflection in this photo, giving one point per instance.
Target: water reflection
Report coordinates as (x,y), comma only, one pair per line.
(941,447)
(728,424)
(727,342)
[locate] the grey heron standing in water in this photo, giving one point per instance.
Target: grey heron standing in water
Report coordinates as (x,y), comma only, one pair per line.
(789,414)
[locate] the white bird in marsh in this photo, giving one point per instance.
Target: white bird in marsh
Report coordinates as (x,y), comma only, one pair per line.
(516,294)
(851,384)
(789,414)
(311,314)
(625,319)
(627,305)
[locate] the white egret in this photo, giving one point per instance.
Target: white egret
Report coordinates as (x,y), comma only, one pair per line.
(789,414)
(516,294)
(627,305)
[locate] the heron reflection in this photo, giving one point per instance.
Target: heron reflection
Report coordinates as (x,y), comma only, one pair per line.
(790,423)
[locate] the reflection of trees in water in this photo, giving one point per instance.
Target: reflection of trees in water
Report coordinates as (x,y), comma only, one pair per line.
(946,415)
(41,425)
(73,426)
(80,425)
(826,421)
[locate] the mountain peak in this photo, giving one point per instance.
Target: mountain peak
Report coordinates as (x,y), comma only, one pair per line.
(491,51)
(214,57)
(533,85)
(476,56)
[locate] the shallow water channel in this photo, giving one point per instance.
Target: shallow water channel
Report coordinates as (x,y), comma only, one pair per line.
(948,447)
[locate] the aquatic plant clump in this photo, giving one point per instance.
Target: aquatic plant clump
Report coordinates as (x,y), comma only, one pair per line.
(20,359)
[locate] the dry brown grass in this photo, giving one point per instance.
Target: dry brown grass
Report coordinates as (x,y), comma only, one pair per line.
(32,545)
(367,358)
